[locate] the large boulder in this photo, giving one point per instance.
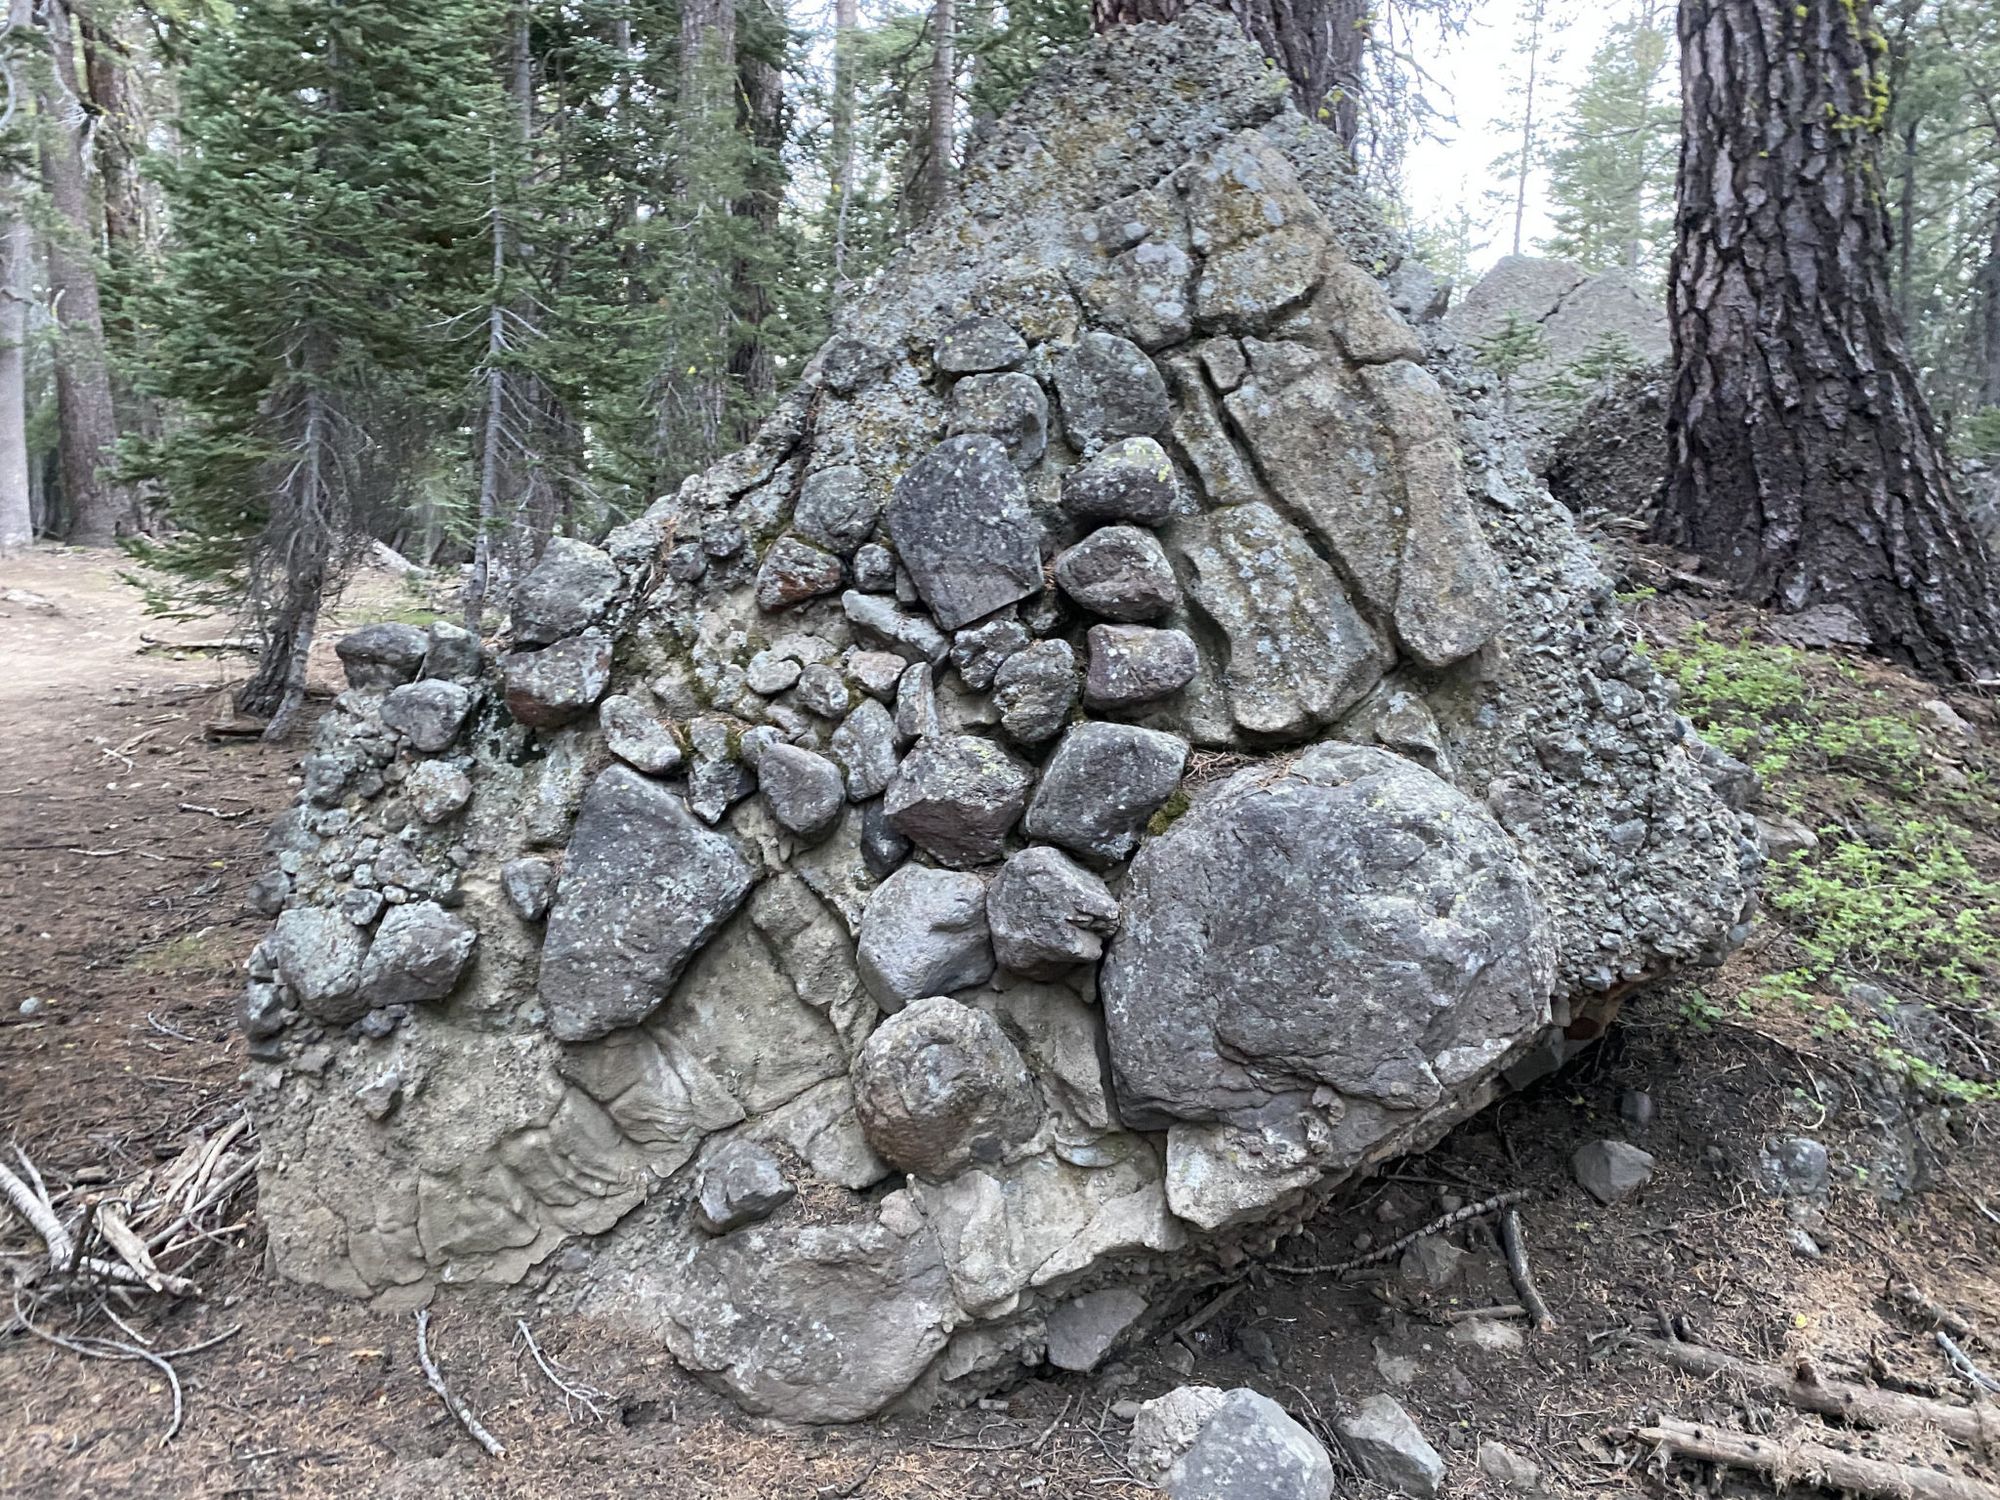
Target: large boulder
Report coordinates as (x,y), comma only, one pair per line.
(1125,747)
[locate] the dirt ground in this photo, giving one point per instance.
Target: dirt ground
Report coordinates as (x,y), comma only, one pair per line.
(128,836)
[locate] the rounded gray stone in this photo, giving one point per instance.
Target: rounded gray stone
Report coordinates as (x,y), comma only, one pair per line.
(1133,665)
(923,932)
(957,797)
(1102,786)
(938,1087)
(1120,573)
(567,591)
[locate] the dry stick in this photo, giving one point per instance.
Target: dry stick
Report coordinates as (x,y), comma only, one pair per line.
(213,1196)
(1817,1465)
(1962,1362)
(586,1396)
(1969,1425)
(493,1446)
(1909,1295)
(41,1218)
(1516,1251)
(1499,1310)
(1438,1225)
(114,1349)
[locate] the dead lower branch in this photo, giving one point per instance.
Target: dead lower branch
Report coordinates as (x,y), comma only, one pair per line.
(1785,1463)
(452,1403)
(1515,1248)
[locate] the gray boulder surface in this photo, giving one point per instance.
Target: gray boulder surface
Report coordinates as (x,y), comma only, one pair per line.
(1249,1449)
(1390,1448)
(430,714)
(1611,1171)
(739,1182)
(382,655)
(1405,808)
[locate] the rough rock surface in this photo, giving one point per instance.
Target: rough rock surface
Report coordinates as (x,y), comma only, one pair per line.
(1249,1449)
(1467,808)
(1390,1448)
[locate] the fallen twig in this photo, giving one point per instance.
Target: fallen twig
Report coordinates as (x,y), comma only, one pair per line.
(1438,1225)
(1515,1248)
(1962,1362)
(1196,1320)
(1975,1427)
(1814,1463)
(493,1446)
(1908,1295)
(574,1395)
(1499,1310)
(41,1217)
(116,1349)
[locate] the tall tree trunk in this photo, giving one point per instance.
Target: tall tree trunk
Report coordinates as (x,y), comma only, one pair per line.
(1806,468)
(17,524)
(1989,384)
(303,531)
(1527,149)
(1906,215)
(707,112)
(840,172)
(99,509)
(1320,45)
(761,91)
(941,115)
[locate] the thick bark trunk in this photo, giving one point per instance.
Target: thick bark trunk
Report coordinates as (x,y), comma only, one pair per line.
(99,509)
(1320,45)
(707,111)
(1989,386)
(17,525)
(1806,468)
(303,532)
(941,116)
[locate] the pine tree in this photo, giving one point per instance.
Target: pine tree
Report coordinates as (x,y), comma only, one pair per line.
(1611,168)
(325,208)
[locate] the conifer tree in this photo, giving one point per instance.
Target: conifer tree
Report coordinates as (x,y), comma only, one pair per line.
(325,206)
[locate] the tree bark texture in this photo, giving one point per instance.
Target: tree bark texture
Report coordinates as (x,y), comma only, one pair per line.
(941,115)
(761,103)
(707,110)
(99,509)
(1989,387)
(1320,45)
(840,174)
(17,525)
(1805,466)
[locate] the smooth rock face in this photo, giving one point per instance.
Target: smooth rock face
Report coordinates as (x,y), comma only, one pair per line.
(1082,1331)
(1047,914)
(961,525)
(1132,665)
(740,1183)
(1348,925)
(1101,787)
(633,735)
(1390,1448)
(1611,1171)
(1121,573)
(558,684)
(1109,390)
(956,797)
(429,714)
(924,932)
(644,888)
(912,637)
(419,952)
(384,655)
(565,593)
(1130,480)
(938,1087)
(1250,1450)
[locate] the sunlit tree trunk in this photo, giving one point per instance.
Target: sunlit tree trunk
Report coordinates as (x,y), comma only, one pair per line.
(761,90)
(17,526)
(1806,468)
(941,115)
(840,174)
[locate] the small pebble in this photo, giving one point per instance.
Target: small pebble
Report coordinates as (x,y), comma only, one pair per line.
(33,1006)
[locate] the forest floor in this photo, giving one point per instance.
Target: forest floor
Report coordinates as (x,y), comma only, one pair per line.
(129,832)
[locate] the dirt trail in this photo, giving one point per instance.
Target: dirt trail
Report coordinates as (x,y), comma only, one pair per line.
(127,839)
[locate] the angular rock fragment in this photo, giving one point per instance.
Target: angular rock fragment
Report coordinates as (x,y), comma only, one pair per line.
(1047,914)
(917,716)
(837,508)
(804,791)
(883,850)
(979,650)
(825,692)
(643,888)
(633,735)
(1132,665)
(419,952)
(957,797)
(912,637)
(1243,289)
(938,1087)
(1250,1449)
(1035,689)
(1102,786)
(383,655)
(1011,408)
(793,572)
(1611,1171)
(974,345)
(1390,1448)
(317,954)
(924,933)
(874,570)
(1109,390)
(436,790)
(876,673)
(455,655)
(865,746)
(1130,480)
(961,525)
(529,885)
(567,591)
(740,1182)
(428,714)
(1166,1426)
(1121,573)
(558,684)
(1085,1329)
(718,779)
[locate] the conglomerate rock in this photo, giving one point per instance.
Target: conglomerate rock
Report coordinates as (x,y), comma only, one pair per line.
(1128,916)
